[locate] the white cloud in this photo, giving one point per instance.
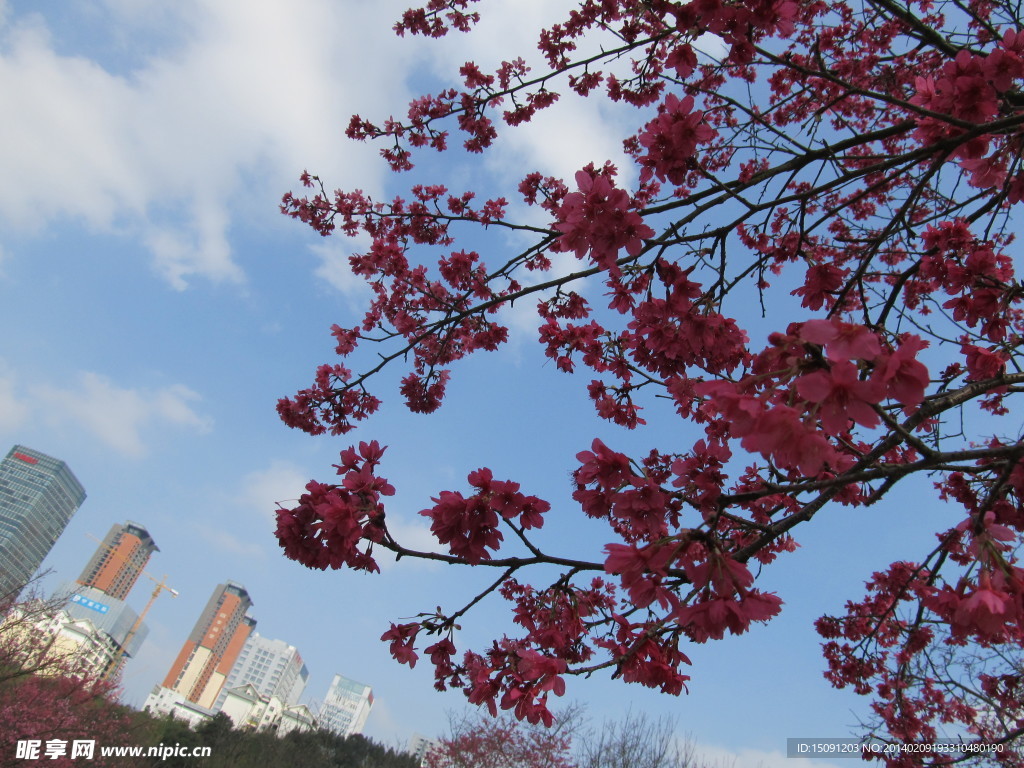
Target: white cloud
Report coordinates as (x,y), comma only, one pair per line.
(335,270)
(711,45)
(225,542)
(262,489)
(253,498)
(561,139)
(62,139)
(522,319)
(412,534)
(383,724)
(171,404)
(14,411)
(205,251)
(715,756)
(120,417)
(545,145)
(558,141)
(163,144)
(165,151)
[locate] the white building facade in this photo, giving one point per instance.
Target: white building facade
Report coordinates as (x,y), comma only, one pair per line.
(346,706)
(273,667)
(249,710)
(167,701)
(419,746)
(55,642)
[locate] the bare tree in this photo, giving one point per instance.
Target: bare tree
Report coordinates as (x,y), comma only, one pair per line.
(28,643)
(636,740)
(475,740)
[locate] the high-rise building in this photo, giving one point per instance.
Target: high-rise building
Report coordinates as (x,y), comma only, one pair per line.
(119,560)
(346,706)
(206,658)
(98,597)
(38,496)
(273,667)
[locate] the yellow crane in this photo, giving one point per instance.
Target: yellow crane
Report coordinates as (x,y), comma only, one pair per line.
(161,585)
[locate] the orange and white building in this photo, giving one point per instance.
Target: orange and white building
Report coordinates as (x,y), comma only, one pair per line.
(119,560)
(205,660)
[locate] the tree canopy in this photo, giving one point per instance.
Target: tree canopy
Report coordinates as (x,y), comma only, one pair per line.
(851,170)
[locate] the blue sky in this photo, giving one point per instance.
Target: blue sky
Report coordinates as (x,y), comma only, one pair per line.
(156,305)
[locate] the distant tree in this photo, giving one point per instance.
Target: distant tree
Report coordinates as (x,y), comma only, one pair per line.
(808,264)
(479,741)
(635,740)
(27,644)
(170,731)
(245,748)
(217,728)
(358,750)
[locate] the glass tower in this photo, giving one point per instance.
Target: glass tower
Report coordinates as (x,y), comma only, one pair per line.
(38,496)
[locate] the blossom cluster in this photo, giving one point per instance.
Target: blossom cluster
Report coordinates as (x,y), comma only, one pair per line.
(331,522)
(598,220)
(671,140)
(820,379)
(470,525)
(812,277)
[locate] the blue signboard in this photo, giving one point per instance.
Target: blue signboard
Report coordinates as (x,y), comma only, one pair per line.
(84,601)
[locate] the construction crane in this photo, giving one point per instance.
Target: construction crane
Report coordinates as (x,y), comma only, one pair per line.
(161,586)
